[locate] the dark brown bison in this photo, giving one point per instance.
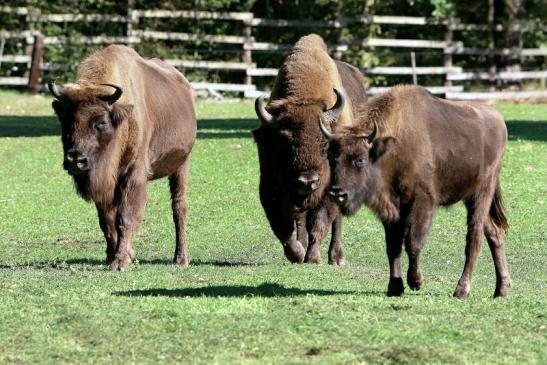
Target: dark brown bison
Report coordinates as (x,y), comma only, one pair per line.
(127,120)
(294,170)
(424,152)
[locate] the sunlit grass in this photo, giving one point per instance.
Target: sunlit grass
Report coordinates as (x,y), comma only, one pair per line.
(240,301)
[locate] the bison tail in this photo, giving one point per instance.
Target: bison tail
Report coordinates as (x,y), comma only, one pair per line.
(497,213)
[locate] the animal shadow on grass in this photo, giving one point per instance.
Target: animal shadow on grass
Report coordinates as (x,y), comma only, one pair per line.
(527,130)
(37,126)
(217,263)
(226,128)
(29,126)
(58,264)
(263,290)
(61,264)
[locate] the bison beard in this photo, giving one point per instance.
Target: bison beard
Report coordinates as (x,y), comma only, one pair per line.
(294,169)
(429,152)
(127,120)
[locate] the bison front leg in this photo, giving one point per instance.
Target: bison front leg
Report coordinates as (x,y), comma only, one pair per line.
(281,221)
(318,222)
(420,218)
(395,233)
(107,222)
(130,213)
(336,249)
(301,231)
(283,228)
(177,184)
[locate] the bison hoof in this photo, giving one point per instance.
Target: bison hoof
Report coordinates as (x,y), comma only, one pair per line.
(294,251)
(415,280)
(502,292)
(120,263)
(395,288)
(337,260)
(502,287)
(461,293)
(312,259)
(181,261)
(110,258)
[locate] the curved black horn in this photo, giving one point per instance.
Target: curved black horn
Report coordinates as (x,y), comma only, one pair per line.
(332,114)
(54,89)
(370,137)
(327,134)
(111,99)
(262,113)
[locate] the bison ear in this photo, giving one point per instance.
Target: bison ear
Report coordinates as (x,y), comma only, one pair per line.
(257,134)
(56,105)
(379,147)
(119,113)
(62,110)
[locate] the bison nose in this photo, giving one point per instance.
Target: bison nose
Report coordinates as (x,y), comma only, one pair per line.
(75,161)
(338,194)
(307,183)
(81,162)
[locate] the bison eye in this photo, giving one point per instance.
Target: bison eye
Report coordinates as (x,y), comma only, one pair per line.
(100,125)
(359,163)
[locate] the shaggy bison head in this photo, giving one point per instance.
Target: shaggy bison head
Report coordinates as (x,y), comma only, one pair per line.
(89,119)
(353,156)
(296,145)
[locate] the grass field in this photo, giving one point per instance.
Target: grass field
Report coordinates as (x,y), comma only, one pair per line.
(240,301)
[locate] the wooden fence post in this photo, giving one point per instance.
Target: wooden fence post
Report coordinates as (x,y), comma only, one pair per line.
(246,54)
(413,64)
(31,19)
(337,33)
(35,64)
(2,44)
(449,49)
(491,47)
(131,18)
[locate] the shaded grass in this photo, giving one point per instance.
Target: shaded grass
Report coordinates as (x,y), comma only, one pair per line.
(240,301)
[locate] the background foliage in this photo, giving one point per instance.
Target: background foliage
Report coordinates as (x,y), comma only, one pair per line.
(533,13)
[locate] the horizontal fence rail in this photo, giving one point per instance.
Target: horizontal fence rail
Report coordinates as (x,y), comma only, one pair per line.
(248,45)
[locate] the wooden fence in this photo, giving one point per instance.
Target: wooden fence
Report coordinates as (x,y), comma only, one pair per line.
(250,46)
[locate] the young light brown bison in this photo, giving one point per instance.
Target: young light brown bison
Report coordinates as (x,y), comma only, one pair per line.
(424,152)
(294,170)
(127,120)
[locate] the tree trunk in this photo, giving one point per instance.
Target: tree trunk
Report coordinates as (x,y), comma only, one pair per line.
(513,34)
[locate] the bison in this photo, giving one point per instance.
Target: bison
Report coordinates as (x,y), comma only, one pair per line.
(424,152)
(294,170)
(124,121)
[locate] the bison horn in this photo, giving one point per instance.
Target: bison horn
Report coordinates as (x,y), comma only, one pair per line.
(327,134)
(369,138)
(54,89)
(262,113)
(111,99)
(332,114)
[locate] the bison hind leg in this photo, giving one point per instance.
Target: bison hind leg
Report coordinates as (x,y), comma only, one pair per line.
(497,248)
(477,216)
(177,185)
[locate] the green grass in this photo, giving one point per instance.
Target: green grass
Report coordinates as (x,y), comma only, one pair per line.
(240,301)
